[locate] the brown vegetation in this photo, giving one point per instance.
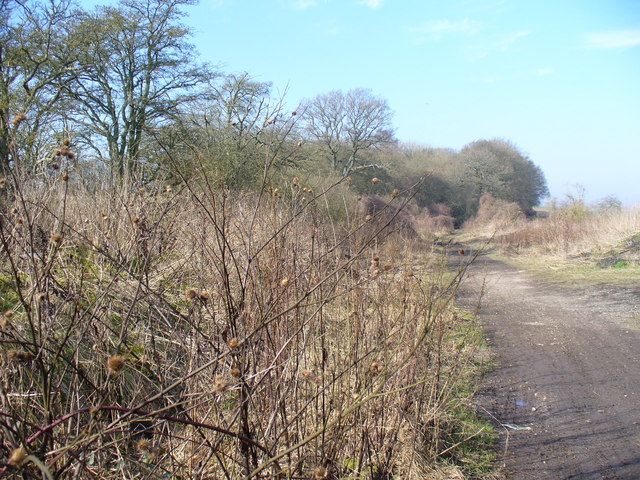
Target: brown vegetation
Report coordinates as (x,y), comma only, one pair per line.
(198,332)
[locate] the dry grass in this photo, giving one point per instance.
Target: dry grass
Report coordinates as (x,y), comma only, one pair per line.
(570,244)
(567,234)
(196,332)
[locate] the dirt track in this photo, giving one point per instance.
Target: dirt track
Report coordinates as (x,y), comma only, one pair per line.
(568,369)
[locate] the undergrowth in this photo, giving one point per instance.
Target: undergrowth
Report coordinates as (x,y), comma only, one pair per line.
(197,332)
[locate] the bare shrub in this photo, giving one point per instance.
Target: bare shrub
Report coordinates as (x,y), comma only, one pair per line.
(197,332)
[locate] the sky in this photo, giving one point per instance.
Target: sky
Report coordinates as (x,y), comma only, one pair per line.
(560,79)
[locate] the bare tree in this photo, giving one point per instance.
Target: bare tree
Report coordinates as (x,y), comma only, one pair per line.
(137,70)
(36,66)
(349,127)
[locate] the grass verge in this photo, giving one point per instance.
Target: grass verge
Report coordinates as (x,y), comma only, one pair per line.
(573,272)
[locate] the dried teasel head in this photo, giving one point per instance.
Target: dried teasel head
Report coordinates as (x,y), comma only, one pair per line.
(320,473)
(17,457)
(204,295)
(66,142)
(115,364)
(220,385)
(235,372)
(18,119)
(375,367)
(233,343)
(190,294)
(143,445)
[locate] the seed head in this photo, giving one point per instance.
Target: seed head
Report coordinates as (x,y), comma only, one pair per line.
(219,384)
(18,119)
(204,295)
(8,314)
(368,218)
(235,372)
(56,237)
(284,282)
(14,211)
(3,182)
(115,364)
(233,343)
(190,294)
(66,142)
(375,180)
(65,176)
(461,251)
(17,457)
(395,193)
(320,473)
(143,445)
(375,367)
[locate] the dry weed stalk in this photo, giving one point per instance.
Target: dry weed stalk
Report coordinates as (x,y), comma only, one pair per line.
(196,332)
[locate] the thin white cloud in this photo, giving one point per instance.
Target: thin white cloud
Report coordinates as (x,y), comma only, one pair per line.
(435,30)
(371,3)
(544,71)
(500,45)
(508,40)
(304,4)
(614,39)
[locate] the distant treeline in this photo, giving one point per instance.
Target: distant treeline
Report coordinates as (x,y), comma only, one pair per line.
(117,94)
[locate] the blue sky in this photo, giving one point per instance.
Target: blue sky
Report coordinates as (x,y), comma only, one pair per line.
(561,79)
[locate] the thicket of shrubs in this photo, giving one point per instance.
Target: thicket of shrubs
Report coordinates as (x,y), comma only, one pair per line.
(121,87)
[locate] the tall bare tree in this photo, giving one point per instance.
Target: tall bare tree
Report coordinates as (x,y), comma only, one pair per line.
(349,127)
(137,71)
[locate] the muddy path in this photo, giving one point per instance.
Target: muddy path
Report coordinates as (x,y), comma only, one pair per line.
(565,395)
